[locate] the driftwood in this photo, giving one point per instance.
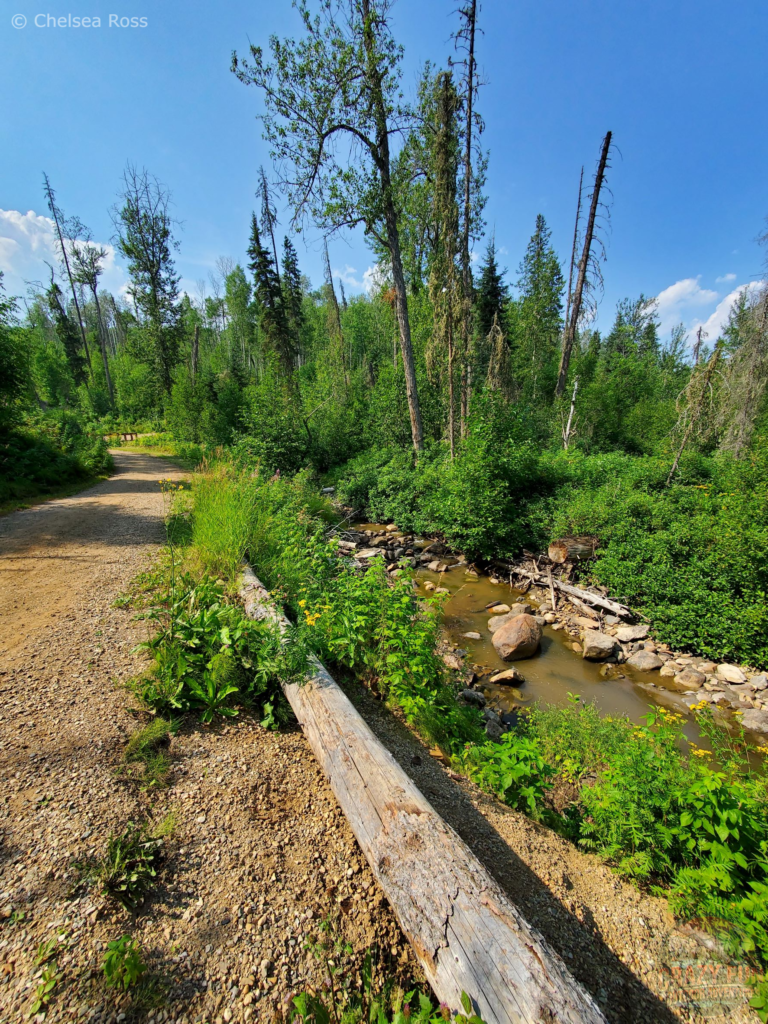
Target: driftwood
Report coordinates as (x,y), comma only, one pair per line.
(466,933)
(582,595)
(571,549)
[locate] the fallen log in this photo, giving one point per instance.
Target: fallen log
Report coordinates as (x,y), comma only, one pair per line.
(571,549)
(578,592)
(465,931)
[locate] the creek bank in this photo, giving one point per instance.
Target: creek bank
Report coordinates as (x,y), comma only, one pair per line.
(625,653)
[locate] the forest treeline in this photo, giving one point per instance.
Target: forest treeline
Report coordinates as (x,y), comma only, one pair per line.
(452,397)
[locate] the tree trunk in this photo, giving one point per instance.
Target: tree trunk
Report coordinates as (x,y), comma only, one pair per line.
(569,424)
(52,205)
(467,934)
(470,13)
(451,396)
(381,157)
(570,336)
(571,549)
(195,351)
(103,344)
(573,259)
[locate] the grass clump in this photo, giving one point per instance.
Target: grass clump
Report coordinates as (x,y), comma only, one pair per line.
(145,758)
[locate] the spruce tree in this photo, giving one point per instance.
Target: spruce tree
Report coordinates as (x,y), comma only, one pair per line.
(68,333)
(269,300)
(293,293)
(492,293)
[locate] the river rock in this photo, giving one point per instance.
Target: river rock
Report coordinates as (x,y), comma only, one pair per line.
(521,608)
(500,608)
(755,721)
(437,566)
(509,677)
(759,682)
(688,679)
(451,660)
(669,670)
(518,638)
(596,646)
(550,618)
(497,621)
(585,623)
(731,674)
(429,585)
(392,528)
(493,729)
(609,671)
(644,661)
(471,636)
(707,667)
(629,633)
(368,553)
(473,697)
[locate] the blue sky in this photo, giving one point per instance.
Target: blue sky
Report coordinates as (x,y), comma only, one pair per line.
(682,86)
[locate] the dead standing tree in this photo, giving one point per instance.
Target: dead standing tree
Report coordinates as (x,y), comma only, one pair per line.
(588,263)
(692,404)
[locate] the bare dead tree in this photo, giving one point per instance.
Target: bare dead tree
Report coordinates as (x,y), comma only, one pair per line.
(746,376)
(574,248)
(335,317)
(587,262)
(567,430)
(58,218)
(691,405)
(87,259)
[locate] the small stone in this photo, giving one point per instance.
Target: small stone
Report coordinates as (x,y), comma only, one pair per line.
(731,674)
(755,721)
(759,682)
(493,729)
(429,585)
(452,661)
(500,608)
(707,667)
(473,697)
(669,669)
(687,680)
(509,677)
(471,636)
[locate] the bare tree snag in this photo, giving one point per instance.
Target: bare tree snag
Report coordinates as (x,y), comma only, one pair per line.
(570,335)
(466,933)
(569,424)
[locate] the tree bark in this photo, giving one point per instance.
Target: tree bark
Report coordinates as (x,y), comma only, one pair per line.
(568,340)
(467,934)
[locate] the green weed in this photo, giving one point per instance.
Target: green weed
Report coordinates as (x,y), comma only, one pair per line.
(49,979)
(123,965)
(147,750)
(129,868)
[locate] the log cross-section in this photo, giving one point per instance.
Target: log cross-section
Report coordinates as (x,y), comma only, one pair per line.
(465,931)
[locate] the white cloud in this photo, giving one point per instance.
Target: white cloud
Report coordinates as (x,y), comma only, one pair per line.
(674,304)
(725,278)
(347,276)
(28,241)
(713,326)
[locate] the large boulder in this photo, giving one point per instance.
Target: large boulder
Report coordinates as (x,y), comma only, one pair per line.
(644,661)
(497,621)
(596,646)
(520,637)
(755,721)
(629,633)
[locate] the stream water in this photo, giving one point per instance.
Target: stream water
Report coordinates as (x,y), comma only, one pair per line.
(552,674)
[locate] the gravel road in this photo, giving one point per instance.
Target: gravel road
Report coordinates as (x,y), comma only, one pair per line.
(260,854)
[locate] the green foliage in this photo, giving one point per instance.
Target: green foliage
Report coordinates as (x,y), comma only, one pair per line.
(123,965)
(209,658)
(49,979)
(128,869)
(514,769)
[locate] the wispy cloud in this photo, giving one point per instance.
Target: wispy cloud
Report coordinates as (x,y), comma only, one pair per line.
(28,242)
(725,278)
(713,326)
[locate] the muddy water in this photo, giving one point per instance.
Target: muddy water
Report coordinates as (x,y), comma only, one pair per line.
(552,674)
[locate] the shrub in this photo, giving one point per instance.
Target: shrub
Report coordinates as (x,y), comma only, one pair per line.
(123,965)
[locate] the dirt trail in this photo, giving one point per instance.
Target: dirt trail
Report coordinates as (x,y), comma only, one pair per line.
(260,853)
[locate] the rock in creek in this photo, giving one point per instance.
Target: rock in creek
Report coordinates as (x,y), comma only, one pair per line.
(453,661)
(473,697)
(759,682)
(629,633)
(509,677)
(500,609)
(493,729)
(368,553)
(731,674)
(471,636)
(597,646)
(688,679)
(497,621)
(755,721)
(644,661)
(518,638)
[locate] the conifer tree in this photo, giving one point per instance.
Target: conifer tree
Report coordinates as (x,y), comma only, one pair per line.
(492,292)
(68,333)
(269,300)
(293,293)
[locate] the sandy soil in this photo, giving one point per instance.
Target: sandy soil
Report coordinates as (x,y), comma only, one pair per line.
(261,852)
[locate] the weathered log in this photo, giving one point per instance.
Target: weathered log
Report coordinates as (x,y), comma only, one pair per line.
(571,549)
(465,931)
(583,595)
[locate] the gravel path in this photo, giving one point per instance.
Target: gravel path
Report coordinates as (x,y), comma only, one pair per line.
(260,854)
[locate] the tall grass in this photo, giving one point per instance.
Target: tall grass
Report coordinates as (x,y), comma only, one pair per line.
(224,513)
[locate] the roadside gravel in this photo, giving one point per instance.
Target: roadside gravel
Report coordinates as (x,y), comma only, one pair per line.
(260,854)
